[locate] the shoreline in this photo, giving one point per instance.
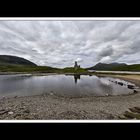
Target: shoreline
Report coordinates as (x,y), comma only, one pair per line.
(52,107)
(130,78)
(92,73)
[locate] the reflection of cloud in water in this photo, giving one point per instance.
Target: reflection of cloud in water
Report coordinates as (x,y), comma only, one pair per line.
(73,85)
(104,81)
(14,77)
(105,87)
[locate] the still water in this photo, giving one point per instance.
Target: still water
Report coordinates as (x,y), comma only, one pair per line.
(62,85)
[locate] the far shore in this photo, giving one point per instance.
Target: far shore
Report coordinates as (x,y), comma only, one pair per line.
(84,73)
(53,107)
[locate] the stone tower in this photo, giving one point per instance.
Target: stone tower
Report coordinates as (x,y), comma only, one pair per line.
(76,66)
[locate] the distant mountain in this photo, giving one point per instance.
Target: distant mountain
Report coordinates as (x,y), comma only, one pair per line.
(14,60)
(115,67)
(104,66)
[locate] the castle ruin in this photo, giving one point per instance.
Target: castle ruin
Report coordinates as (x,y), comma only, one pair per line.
(76,66)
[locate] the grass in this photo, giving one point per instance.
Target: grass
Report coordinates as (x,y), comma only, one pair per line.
(41,69)
(23,68)
(72,70)
(134,67)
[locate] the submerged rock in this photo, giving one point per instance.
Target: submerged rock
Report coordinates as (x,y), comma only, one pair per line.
(120,83)
(130,86)
(135,91)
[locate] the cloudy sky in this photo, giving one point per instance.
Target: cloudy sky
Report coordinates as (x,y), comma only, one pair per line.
(60,43)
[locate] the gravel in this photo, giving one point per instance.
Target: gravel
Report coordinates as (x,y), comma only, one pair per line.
(52,107)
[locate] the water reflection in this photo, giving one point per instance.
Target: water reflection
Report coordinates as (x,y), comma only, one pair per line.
(72,85)
(76,77)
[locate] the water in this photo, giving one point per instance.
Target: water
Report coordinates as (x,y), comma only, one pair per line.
(62,85)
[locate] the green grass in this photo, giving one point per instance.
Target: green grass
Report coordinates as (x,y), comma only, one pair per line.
(135,67)
(22,68)
(72,70)
(41,69)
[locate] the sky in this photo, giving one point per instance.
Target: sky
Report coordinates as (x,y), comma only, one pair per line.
(60,43)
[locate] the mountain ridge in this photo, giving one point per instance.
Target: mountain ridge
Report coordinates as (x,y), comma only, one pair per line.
(115,67)
(15,60)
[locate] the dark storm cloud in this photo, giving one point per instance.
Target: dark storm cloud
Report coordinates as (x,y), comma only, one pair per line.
(60,43)
(108,51)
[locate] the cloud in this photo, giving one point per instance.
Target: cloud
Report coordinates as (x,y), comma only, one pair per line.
(60,43)
(79,60)
(105,52)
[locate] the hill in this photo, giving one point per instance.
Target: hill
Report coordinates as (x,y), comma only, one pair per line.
(14,60)
(17,64)
(115,67)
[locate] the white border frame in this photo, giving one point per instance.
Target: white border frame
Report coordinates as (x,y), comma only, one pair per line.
(69,19)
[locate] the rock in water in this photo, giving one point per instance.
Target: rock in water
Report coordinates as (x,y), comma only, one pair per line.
(120,83)
(135,91)
(130,86)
